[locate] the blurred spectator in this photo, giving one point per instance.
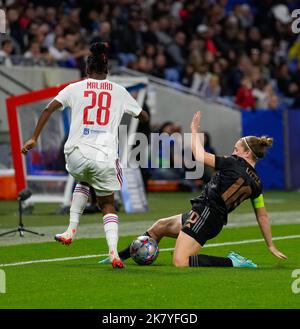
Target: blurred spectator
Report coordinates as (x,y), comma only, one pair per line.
(58,51)
(284,79)
(273,103)
(130,41)
(201,78)
(176,50)
(254,39)
(5,52)
(188,76)
(265,97)
(244,97)
(53,35)
(34,52)
(160,29)
(29,14)
(212,90)
(244,15)
(150,50)
(196,50)
(160,66)
(266,65)
(104,34)
(145,65)
(183,41)
(15,30)
(50,16)
(237,72)
(227,41)
(205,33)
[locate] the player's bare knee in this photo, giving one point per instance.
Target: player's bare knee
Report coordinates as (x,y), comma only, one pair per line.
(179,261)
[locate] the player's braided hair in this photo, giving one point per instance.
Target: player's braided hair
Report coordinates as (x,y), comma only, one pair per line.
(257,145)
(97,62)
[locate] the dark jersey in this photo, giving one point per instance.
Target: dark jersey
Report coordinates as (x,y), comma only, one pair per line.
(235,181)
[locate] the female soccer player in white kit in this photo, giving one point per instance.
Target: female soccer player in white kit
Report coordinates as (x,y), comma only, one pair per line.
(91,151)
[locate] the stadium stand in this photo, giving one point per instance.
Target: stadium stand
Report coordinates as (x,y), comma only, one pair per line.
(241,52)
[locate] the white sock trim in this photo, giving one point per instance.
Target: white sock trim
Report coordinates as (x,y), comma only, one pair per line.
(79,188)
(110,218)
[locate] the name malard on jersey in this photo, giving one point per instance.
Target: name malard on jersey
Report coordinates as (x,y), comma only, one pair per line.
(99,85)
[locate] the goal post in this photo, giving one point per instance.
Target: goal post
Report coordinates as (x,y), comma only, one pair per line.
(22,112)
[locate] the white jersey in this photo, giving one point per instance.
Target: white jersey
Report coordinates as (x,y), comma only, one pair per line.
(97,107)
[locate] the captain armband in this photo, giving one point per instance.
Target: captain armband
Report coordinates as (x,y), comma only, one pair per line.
(258,202)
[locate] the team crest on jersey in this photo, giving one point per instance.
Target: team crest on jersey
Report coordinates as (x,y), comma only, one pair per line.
(86,131)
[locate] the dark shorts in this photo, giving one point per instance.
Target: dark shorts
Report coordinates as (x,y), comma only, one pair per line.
(202,225)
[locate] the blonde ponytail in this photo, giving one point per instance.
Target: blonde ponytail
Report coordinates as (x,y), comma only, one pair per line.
(257,145)
(265,141)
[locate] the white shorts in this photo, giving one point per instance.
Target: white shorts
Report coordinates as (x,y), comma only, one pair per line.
(104,177)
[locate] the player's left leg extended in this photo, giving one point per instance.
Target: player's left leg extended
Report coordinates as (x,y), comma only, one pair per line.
(164,227)
(169,227)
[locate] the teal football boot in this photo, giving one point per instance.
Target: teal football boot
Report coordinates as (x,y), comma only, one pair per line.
(240,261)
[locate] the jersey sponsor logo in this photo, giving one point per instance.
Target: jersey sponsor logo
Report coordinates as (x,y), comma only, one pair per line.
(88,131)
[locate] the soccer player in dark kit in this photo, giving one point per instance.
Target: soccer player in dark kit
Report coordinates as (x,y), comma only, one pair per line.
(235,181)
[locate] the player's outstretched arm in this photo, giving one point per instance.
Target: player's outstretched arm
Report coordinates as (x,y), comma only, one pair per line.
(197,147)
(44,117)
(143,116)
(264,224)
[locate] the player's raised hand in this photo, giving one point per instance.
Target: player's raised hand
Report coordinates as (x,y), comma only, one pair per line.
(277,253)
(195,124)
(30,144)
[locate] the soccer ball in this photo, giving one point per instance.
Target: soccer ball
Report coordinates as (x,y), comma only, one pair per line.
(144,250)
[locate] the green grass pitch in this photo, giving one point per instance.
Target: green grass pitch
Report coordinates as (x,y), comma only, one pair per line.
(83,283)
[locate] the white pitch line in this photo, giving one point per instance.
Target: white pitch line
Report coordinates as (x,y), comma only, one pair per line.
(52,260)
(211,245)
